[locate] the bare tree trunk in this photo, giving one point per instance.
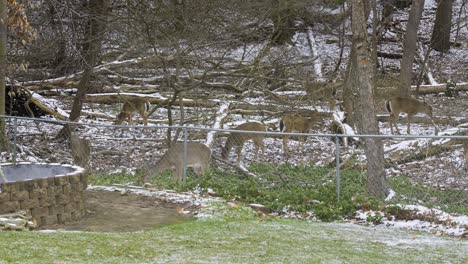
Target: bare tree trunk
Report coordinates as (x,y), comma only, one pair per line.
(409,47)
(3,53)
(349,94)
(376,181)
(440,40)
(92,46)
(351,81)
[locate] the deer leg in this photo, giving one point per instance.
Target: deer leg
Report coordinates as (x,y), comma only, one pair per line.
(394,121)
(256,152)
(436,129)
(239,152)
(285,147)
(130,121)
(390,122)
(144,115)
(409,122)
(262,146)
(302,139)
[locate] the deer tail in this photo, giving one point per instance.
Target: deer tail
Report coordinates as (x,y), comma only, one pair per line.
(281,125)
(388,105)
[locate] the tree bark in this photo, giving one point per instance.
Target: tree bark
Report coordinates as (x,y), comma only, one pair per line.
(92,46)
(409,47)
(351,80)
(376,181)
(3,47)
(440,40)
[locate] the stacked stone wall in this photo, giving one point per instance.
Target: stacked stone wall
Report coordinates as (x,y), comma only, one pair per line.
(53,200)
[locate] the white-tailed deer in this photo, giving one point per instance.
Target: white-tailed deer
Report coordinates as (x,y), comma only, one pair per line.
(198,158)
(237,139)
(296,123)
(410,106)
(321,91)
(131,105)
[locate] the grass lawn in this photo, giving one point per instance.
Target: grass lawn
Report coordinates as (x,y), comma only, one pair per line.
(236,237)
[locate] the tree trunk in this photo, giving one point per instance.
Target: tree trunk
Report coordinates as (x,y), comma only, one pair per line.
(376,182)
(3,47)
(440,40)
(92,46)
(351,81)
(409,47)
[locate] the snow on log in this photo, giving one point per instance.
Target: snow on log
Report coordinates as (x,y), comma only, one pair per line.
(50,106)
(156,98)
(430,89)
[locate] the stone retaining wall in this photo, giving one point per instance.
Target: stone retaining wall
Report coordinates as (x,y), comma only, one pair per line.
(53,200)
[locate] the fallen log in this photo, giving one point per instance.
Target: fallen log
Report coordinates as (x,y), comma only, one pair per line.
(430,89)
(49,106)
(111,98)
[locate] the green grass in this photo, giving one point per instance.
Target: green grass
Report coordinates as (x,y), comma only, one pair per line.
(452,201)
(235,236)
(301,189)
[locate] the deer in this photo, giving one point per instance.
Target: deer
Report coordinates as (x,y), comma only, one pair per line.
(410,106)
(237,139)
(198,158)
(131,105)
(296,123)
(321,91)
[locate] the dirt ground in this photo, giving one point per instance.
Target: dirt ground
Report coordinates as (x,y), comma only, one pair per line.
(115,212)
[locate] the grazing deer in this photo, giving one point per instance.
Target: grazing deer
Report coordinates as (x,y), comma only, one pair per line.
(131,105)
(295,123)
(237,139)
(321,91)
(410,106)
(198,158)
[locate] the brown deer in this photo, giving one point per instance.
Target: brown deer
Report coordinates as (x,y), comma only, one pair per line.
(237,139)
(131,105)
(296,123)
(321,91)
(198,158)
(410,106)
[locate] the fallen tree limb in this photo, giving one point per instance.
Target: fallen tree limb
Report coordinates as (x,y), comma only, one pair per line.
(430,89)
(49,106)
(111,98)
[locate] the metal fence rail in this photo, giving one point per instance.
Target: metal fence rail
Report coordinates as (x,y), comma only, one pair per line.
(119,147)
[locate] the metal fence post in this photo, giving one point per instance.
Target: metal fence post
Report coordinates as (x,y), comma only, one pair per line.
(15,131)
(337,159)
(185,153)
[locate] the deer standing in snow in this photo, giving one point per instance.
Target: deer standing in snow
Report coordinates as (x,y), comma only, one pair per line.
(237,139)
(296,123)
(198,158)
(410,106)
(131,105)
